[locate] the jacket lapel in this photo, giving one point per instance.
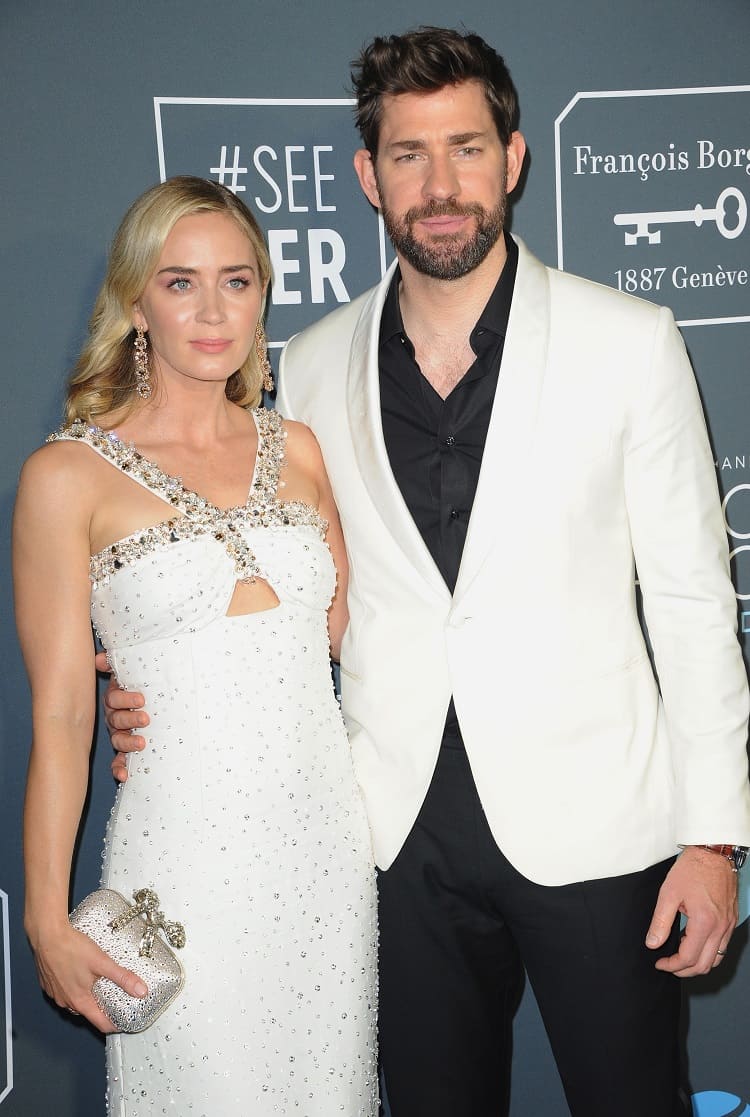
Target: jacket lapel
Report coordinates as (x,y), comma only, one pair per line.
(513,416)
(365,423)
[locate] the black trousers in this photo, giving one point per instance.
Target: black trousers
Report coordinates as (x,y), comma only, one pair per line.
(458,924)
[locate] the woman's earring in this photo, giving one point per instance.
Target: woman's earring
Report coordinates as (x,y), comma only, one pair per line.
(142,370)
(261,349)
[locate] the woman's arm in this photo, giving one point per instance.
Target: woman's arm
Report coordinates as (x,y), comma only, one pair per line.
(50,567)
(338,613)
(304,453)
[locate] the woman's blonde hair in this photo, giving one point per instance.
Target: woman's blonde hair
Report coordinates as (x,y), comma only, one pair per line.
(104,379)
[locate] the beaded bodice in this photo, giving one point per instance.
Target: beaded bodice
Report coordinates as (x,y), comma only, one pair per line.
(180,573)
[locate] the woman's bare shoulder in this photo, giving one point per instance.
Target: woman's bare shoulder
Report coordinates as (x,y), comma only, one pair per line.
(301,444)
(60,470)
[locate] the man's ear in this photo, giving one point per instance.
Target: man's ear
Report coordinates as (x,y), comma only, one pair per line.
(365,169)
(514,156)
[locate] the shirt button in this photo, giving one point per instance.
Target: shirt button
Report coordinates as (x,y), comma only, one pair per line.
(450,440)
(454,514)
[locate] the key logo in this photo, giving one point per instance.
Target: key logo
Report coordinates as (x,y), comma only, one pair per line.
(643,222)
(653,189)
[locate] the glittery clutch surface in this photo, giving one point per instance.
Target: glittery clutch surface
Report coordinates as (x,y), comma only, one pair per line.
(129,933)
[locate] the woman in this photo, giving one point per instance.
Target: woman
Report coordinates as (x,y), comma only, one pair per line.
(243,815)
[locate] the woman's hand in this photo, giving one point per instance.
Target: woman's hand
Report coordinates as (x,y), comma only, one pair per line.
(69,962)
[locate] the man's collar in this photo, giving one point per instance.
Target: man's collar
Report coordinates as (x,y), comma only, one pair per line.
(494,318)
(391,322)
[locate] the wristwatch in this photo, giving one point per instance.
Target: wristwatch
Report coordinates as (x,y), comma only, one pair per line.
(737,855)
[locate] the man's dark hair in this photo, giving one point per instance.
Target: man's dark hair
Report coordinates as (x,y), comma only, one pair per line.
(423,61)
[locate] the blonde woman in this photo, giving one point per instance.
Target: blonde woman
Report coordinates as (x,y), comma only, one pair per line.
(198,532)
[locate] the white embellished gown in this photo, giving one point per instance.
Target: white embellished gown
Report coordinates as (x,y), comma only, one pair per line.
(242,813)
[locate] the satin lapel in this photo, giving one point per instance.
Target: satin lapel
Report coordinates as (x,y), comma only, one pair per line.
(366,427)
(513,416)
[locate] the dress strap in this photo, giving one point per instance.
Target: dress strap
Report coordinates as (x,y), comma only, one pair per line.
(128,460)
(271,454)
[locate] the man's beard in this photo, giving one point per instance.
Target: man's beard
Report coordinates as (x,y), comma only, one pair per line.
(448,255)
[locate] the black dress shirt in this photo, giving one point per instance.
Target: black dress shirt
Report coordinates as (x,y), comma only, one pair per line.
(435,445)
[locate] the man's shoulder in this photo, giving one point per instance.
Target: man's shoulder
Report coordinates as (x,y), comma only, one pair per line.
(575,293)
(590,290)
(320,354)
(589,297)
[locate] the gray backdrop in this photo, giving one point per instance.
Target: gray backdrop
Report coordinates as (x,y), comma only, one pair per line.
(101,98)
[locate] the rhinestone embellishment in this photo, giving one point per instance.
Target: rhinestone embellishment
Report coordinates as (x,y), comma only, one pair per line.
(198,516)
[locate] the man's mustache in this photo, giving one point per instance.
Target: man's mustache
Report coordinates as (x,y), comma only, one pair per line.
(443,209)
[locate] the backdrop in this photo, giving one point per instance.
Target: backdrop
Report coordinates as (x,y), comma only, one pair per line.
(639,175)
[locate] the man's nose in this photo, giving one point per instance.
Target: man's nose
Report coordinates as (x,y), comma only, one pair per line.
(442,179)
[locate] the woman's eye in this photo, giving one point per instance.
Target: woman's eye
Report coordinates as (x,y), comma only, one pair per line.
(180,284)
(237,283)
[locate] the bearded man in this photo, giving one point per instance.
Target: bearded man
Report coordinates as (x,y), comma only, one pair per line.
(527,781)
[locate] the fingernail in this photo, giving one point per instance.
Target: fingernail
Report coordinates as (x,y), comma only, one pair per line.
(651,940)
(140,989)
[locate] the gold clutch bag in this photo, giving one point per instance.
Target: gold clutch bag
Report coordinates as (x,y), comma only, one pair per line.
(129,933)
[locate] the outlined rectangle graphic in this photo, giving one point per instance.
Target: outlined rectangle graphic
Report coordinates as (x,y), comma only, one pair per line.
(6,1031)
(290,160)
(653,197)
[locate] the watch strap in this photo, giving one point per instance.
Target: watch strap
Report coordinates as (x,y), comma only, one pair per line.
(737,855)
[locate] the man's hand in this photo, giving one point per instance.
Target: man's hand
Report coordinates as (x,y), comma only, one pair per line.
(123,713)
(703,887)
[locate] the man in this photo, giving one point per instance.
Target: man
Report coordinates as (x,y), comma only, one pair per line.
(526,785)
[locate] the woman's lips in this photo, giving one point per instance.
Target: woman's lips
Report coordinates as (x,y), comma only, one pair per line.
(211,344)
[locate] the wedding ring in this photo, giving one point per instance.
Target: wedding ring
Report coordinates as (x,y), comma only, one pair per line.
(721,952)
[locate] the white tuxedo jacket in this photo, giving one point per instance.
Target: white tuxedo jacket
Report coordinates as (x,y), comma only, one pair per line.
(596,462)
